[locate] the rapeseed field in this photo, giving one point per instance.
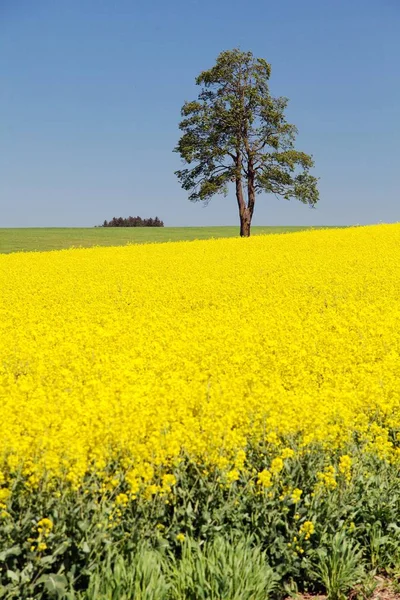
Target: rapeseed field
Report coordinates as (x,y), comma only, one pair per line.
(186,393)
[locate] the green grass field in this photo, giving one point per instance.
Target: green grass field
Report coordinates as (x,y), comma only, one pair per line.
(57,238)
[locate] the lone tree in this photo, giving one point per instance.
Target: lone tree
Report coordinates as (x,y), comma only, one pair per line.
(237,132)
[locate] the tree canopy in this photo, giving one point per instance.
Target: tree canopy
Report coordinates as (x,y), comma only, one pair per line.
(236,131)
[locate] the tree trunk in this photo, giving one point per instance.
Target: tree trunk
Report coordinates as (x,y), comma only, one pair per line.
(245,222)
(244,213)
(251,195)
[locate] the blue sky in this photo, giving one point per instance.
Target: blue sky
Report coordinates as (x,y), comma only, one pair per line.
(91,91)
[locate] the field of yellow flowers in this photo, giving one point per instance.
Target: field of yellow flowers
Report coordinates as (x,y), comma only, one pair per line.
(181,391)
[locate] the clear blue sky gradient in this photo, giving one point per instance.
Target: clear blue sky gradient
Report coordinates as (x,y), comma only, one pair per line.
(91,91)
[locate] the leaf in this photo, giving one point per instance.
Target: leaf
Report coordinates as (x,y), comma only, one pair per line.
(85,548)
(13,576)
(13,551)
(61,548)
(83,525)
(54,584)
(47,560)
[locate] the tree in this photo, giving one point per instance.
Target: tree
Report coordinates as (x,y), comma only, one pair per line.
(237,132)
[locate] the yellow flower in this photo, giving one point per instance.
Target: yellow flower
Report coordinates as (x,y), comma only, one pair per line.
(168,480)
(45,525)
(150,491)
(117,374)
(121,500)
(345,464)
(41,546)
(180,537)
(232,476)
(264,479)
(327,478)
(272,438)
(307,529)
(296,495)
(287,453)
(240,460)
(276,466)
(5,493)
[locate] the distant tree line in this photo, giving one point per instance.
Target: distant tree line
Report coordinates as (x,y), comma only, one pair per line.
(133,222)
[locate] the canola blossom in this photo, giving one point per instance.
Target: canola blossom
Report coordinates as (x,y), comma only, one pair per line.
(125,362)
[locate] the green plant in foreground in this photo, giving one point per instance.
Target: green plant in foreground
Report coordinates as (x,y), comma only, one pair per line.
(340,568)
(222,570)
(219,570)
(140,577)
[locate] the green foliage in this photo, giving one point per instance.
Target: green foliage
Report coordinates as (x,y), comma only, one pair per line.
(340,566)
(222,570)
(218,570)
(236,536)
(140,576)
